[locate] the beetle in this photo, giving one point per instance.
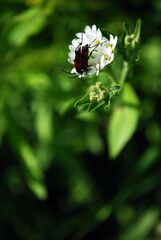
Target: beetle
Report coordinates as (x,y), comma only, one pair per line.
(81,59)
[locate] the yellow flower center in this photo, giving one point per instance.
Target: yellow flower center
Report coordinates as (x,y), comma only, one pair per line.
(106,57)
(109,45)
(96,42)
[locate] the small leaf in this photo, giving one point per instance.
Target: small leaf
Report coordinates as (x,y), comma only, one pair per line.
(107,106)
(83,101)
(143,226)
(93,106)
(127,29)
(29,161)
(38,188)
(44,123)
(115,90)
(137,30)
(149,157)
(123,122)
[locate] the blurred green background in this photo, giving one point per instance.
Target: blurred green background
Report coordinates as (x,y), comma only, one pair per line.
(56,178)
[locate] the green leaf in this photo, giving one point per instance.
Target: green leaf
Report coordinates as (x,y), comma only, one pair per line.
(26,24)
(115,90)
(93,106)
(149,157)
(137,30)
(127,29)
(33,173)
(38,188)
(143,226)
(83,101)
(28,160)
(107,106)
(123,122)
(43,122)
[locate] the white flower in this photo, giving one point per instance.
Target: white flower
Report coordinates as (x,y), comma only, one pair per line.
(112,42)
(107,56)
(99,52)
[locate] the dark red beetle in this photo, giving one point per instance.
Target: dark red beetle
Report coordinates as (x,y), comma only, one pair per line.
(81,59)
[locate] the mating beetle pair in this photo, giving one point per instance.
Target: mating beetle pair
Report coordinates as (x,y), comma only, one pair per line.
(81,59)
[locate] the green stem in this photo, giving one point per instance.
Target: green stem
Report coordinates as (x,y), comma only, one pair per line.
(124,72)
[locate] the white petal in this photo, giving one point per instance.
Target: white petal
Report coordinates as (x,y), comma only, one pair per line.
(85,40)
(97,69)
(71,55)
(104,40)
(114,43)
(79,35)
(87,30)
(84,74)
(89,39)
(73,70)
(71,47)
(109,51)
(92,71)
(102,49)
(112,57)
(102,64)
(71,60)
(106,62)
(94,28)
(99,34)
(76,42)
(111,38)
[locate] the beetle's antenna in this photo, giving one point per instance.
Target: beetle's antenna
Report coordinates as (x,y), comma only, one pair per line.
(94,48)
(73,76)
(64,70)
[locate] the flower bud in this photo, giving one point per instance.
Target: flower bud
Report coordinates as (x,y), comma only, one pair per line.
(103,93)
(130,40)
(91,87)
(92,96)
(98,84)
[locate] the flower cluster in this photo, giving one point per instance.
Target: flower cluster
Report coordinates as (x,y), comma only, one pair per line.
(97,92)
(100,51)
